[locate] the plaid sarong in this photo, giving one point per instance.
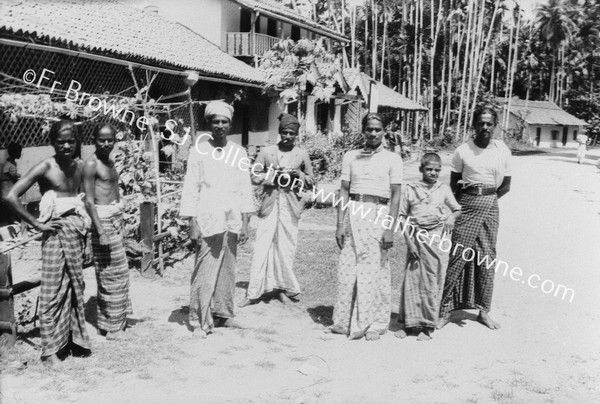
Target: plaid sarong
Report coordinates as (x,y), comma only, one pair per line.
(112,272)
(213,280)
(469,285)
(61,309)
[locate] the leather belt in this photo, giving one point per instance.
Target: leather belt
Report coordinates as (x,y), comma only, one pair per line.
(369,198)
(478,190)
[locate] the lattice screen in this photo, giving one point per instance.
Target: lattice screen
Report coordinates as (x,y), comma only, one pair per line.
(95,78)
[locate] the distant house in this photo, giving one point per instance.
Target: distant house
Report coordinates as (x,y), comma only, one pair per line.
(544,123)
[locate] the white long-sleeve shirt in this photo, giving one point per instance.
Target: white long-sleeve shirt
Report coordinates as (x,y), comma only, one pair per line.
(217,188)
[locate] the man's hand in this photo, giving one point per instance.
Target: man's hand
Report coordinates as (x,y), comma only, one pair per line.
(339,235)
(243,236)
(52,225)
(195,236)
(449,225)
(387,240)
(103,238)
(413,252)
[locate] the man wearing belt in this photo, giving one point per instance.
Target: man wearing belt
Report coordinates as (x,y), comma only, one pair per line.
(371,178)
(480,175)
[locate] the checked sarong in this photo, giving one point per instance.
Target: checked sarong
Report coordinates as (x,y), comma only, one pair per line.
(468,284)
(61,309)
(112,271)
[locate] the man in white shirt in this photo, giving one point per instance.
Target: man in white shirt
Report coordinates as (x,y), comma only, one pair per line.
(217,197)
(481,174)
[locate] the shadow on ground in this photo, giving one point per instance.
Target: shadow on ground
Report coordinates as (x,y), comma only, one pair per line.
(321,314)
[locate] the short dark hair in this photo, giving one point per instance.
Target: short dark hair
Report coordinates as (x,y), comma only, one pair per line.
(99,127)
(375,116)
(430,157)
(59,126)
(14,149)
(485,109)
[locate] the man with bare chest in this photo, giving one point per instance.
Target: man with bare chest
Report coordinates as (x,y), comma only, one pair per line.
(64,222)
(102,201)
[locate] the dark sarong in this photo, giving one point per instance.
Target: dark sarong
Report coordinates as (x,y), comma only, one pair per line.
(61,307)
(469,285)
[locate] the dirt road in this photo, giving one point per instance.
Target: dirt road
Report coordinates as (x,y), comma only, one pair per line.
(546,351)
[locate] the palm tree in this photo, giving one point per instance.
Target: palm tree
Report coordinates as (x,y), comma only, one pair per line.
(555,23)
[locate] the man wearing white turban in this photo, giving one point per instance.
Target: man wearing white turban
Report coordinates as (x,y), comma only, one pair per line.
(217,197)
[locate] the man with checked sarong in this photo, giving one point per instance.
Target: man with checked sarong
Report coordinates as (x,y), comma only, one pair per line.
(64,222)
(481,174)
(217,197)
(101,184)
(283,170)
(371,179)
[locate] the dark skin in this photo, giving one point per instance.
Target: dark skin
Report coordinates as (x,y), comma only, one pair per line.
(484,128)
(60,173)
(100,179)
(220,126)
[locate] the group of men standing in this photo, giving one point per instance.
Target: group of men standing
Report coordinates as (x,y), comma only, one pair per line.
(65,217)
(217,198)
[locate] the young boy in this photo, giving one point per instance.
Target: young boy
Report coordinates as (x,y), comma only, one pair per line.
(429,210)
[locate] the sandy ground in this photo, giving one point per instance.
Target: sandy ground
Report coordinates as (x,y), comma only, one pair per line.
(546,351)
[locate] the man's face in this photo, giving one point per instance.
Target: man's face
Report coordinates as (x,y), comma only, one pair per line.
(105,142)
(431,172)
(220,126)
(373,133)
(484,127)
(65,144)
(288,137)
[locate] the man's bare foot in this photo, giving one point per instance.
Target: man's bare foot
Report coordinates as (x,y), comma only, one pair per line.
(372,336)
(247,302)
(336,329)
(230,323)
(200,333)
(401,333)
(51,361)
(283,298)
(424,335)
(443,321)
(117,336)
(486,320)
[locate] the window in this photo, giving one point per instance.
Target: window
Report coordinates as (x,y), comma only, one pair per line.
(554,135)
(575,134)
(295,33)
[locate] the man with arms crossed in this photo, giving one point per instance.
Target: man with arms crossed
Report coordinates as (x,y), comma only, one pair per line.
(101,184)
(482,165)
(217,196)
(64,221)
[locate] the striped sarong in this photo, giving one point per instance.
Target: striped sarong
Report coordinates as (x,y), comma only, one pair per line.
(364,281)
(112,271)
(274,251)
(423,281)
(61,306)
(469,285)
(213,280)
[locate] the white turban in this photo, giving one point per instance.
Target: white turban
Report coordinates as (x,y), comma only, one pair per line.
(218,108)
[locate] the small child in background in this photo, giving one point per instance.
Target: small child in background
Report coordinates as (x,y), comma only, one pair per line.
(429,210)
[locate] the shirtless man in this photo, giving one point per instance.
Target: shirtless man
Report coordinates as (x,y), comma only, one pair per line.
(64,222)
(102,201)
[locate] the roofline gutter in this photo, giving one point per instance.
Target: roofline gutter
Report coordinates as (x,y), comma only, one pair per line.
(337,37)
(107,59)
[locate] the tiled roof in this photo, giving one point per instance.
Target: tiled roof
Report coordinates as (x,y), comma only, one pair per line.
(542,113)
(386,96)
(113,28)
(279,9)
